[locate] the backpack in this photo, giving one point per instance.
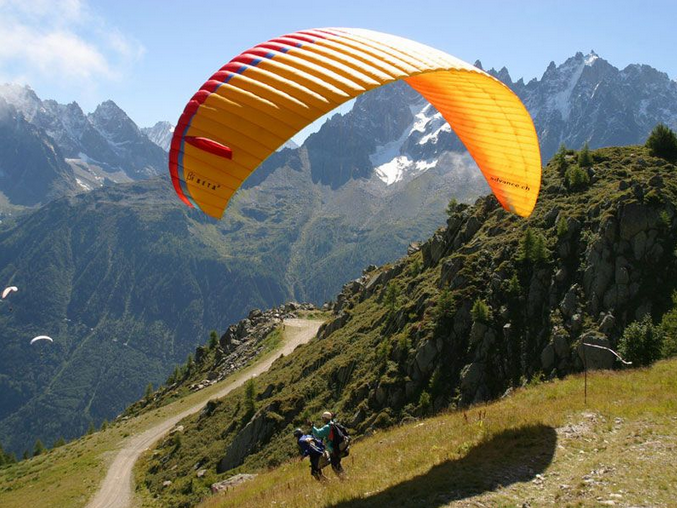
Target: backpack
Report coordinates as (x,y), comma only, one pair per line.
(340,438)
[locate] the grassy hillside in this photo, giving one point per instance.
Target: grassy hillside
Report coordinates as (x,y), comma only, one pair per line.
(540,446)
(490,303)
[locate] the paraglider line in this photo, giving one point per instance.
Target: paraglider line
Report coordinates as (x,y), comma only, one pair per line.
(585,365)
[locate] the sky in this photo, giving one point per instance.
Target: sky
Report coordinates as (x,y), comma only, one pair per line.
(150,56)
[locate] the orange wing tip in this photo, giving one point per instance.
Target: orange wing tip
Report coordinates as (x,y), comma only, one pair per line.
(209,145)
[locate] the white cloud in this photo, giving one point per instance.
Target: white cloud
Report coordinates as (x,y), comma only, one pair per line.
(64,41)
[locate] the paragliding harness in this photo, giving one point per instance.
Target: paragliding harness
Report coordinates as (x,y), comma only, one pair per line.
(319,457)
(340,439)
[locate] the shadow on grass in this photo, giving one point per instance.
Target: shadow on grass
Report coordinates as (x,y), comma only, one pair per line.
(512,456)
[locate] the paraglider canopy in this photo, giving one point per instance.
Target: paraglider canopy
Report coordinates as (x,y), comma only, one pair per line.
(41,337)
(263,97)
(8,290)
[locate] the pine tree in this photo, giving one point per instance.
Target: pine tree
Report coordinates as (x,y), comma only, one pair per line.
(59,442)
(213,339)
(451,207)
(526,247)
(391,296)
(662,142)
(562,227)
(560,159)
(584,157)
(91,429)
(149,392)
(39,448)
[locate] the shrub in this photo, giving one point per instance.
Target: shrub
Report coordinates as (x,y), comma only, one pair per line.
(415,267)
(642,342)
(425,402)
(513,286)
(481,312)
(662,142)
(249,398)
(446,306)
(576,178)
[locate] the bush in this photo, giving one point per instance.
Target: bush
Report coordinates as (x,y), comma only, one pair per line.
(425,403)
(662,142)
(641,343)
(481,312)
(576,178)
(249,398)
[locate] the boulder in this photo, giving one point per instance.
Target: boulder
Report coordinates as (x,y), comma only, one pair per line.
(425,355)
(231,482)
(433,250)
(569,303)
(548,358)
(473,386)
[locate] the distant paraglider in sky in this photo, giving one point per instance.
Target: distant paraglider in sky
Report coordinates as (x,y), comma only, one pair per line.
(8,290)
(41,337)
(263,97)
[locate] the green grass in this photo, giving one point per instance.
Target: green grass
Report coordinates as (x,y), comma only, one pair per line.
(541,445)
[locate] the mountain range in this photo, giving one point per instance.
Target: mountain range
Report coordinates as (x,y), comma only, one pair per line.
(128,281)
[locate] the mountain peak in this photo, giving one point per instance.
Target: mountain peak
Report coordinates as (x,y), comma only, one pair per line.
(108,109)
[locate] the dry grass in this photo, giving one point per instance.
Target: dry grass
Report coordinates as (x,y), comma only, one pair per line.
(540,446)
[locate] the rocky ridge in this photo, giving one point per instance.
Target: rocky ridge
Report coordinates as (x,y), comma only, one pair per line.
(241,343)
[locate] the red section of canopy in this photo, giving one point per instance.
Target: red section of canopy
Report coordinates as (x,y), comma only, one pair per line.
(209,145)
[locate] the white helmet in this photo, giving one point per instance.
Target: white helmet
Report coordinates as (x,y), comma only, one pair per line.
(327,415)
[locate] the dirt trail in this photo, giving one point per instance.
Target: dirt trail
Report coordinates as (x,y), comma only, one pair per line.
(116,489)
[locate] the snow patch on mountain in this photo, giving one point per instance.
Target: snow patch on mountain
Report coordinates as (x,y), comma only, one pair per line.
(161,134)
(391,163)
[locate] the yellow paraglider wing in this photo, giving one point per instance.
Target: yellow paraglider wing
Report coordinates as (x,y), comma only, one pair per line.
(264,96)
